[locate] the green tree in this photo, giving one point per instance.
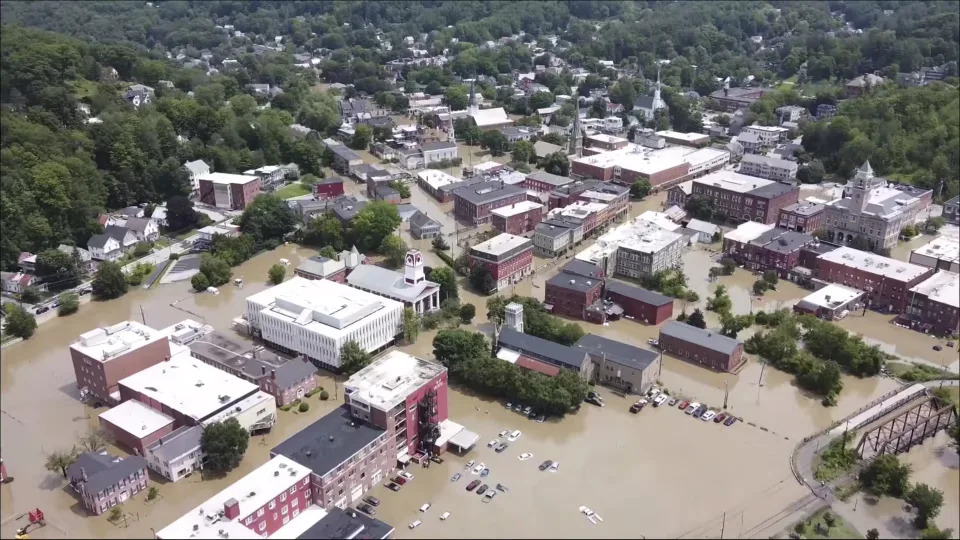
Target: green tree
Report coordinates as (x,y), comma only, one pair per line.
(402,189)
(60,270)
(30,295)
(934,533)
(267,217)
(557,163)
(481,279)
(326,231)
(411,325)
(440,244)
(873,534)
(885,475)
(180,213)
(456,97)
(811,173)
(927,501)
(353,358)
(59,461)
(69,303)
(142,249)
(199,282)
(760,286)
(522,152)
(109,281)
(19,322)
(223,444)
(540,100)
(640,189)
(215,269)
(624,93)
(771,278)
(697,319)
(467,313)
(447,280)
(733,324)
(494,141)
(394,249)
(375,222)
(456,348)
(361,138)
(276,273)
(329,252)
(720,302)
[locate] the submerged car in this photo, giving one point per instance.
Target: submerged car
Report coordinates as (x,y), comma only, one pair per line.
(482,489)
(545,465)
(731,420)
(473,485)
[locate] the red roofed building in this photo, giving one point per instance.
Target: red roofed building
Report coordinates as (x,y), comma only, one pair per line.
(535,365)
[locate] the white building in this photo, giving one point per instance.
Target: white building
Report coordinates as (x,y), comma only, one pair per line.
(769,136)
(176,455)
(411,287)
(635,249)
(187,388)
(943,253)
(770,168)
(317,317)
(661,220)
(268,174)
(434,152)
(197,169)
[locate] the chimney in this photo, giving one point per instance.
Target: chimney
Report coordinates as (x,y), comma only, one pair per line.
(273,374)
(263,370)
(231,509)
(83,474)
(726,91)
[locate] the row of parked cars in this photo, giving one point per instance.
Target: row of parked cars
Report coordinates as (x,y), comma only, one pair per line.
(696,410)
(526,411)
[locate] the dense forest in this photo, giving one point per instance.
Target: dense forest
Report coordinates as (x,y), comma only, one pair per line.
(60,170)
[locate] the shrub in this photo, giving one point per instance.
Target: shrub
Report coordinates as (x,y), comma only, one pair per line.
(152,493)
(829,519)
(115,513)
(199,282)
(142,249)
(324,395)
(174,256)
(69,303)
(304,407)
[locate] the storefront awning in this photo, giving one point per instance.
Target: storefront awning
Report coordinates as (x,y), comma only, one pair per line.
(448,429)
(464,439)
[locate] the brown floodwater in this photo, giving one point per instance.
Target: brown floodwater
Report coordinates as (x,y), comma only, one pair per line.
(659,473)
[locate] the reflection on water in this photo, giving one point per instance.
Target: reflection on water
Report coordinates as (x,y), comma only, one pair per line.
(690,471)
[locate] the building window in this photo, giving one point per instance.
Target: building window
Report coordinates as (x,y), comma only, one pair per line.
(262,526)
(273,504)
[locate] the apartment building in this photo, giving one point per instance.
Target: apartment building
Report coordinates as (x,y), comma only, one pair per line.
(474,203)
(760,247)
(103,481)
(635,249)
(518,218)
(229,191)
(934,304)
(509,258)
(803,216)
(780,170)
(886,281)
(541,181)
(744,198)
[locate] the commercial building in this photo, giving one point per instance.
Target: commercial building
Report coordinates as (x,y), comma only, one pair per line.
(620,365)
(768,136)
(435,152)
(176,454)
(104,356)
(804,216)
(943,253)
(319,267)
(701,346)
(194,393)
(518,218)
(934,304)
(103,481)
(411,287)
(542,181)
(831,302)
(604,142)
(635,249)
(230,191)
(770,168)
(693,140)
(588,216)
(432,181)
(286,379)
(886,281)
(328,188)
(507,257)
(744,198)
(345,160)
(553,237)
(761,247)
(639,304)
(570,294)
(316,318)
(540,355)
(347,523)
(475,202)
(135,425)
(873,209)
(632,163)
(731,99)
(423,227)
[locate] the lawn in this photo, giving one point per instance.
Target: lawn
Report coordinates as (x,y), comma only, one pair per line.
(295,189)
(816,527)
(917,372)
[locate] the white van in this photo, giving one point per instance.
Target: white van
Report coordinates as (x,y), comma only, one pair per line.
(444,516)
(425,507)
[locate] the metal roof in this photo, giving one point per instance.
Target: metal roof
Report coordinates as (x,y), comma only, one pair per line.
(637,293)
(709,339)
(616,351)
(541,349)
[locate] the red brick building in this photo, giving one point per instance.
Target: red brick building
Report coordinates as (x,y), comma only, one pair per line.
(886,281)
(328,188)
(230,191)
(507,257)
(318,267)
(802,217)
(135,425)
(744,198)
(762,247)
(474,203)
(603,141)
(542,181)
(641,304)
(518,218)
(104,356)
(700,346)
(571,294)
(935,304)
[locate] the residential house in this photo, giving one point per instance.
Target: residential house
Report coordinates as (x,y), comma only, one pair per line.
(196,169)
(139,94)
(862,84)
(86,260)
(103,247)
(125,236)
(104,481)
(423,227)
(145,229)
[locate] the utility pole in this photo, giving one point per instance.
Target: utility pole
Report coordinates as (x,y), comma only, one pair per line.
(142,316)
(726,394)
(660,368)
(723,525)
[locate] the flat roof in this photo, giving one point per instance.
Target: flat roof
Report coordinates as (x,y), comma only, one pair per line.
(733,181)
(549,178)
(574,282)
(689,137)
(607,138)
(105,344)
(321,305)
(390,379)
(251,492)
(637,235)
(136,418)
(770,161)
(500,244)
(943,248)
(660,219)
(838,295)
(748,231)
(942,287)
(516,208)
(189,386)
(487,166)
(328,442)
(578,210)
(349,523)
(224,178)
(487,191)
(805,208)
(490,117)
(875,264)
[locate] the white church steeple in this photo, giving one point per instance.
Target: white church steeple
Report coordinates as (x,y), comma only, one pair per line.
(413,267)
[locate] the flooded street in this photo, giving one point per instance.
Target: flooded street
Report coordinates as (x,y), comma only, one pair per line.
(659,473)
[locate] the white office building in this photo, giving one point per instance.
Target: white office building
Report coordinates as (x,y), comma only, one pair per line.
(768,167)
(317,317)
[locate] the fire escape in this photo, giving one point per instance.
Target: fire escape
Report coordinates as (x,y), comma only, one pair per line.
(428,428)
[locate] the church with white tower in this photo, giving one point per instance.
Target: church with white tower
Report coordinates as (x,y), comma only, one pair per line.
(649,105)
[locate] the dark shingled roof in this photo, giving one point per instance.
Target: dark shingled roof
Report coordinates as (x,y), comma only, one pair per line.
(103,470)
(709,339)
(619,352)
(541,349)
(347,523)
(328,442)
(637,293)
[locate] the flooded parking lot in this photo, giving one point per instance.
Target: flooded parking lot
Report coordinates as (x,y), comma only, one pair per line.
(659,473)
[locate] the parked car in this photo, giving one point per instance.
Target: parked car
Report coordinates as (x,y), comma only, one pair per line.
(731,420)
(635,408)
(504,433)
(406,475)
(509,405)
(683,405)
(366,509)
(425,507)
(595,400)
(455,477)
(518,408)
(672,402)
(415,524)
(937,348)
(719,418)
(532,414)
(473,485)
(525,456)
(372,501)
(654,392)
(514,435)
(392,486)
(545,465)
(707,416)
(85,290)
(661,399)
(42,309)
(444,516)
(653,342)
(700,411)
(490,495)
(482,489)
(492,443)
(527,409)
(692,408)
(437,459)
(501,447)
(478,468)
(541,418)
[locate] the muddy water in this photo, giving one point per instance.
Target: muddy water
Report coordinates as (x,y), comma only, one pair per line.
(607,455)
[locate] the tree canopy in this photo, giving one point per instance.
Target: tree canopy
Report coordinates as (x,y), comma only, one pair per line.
(223,445)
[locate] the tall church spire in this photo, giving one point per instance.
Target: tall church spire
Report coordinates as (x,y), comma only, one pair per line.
(657,100)
(473,98)
(576,139)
